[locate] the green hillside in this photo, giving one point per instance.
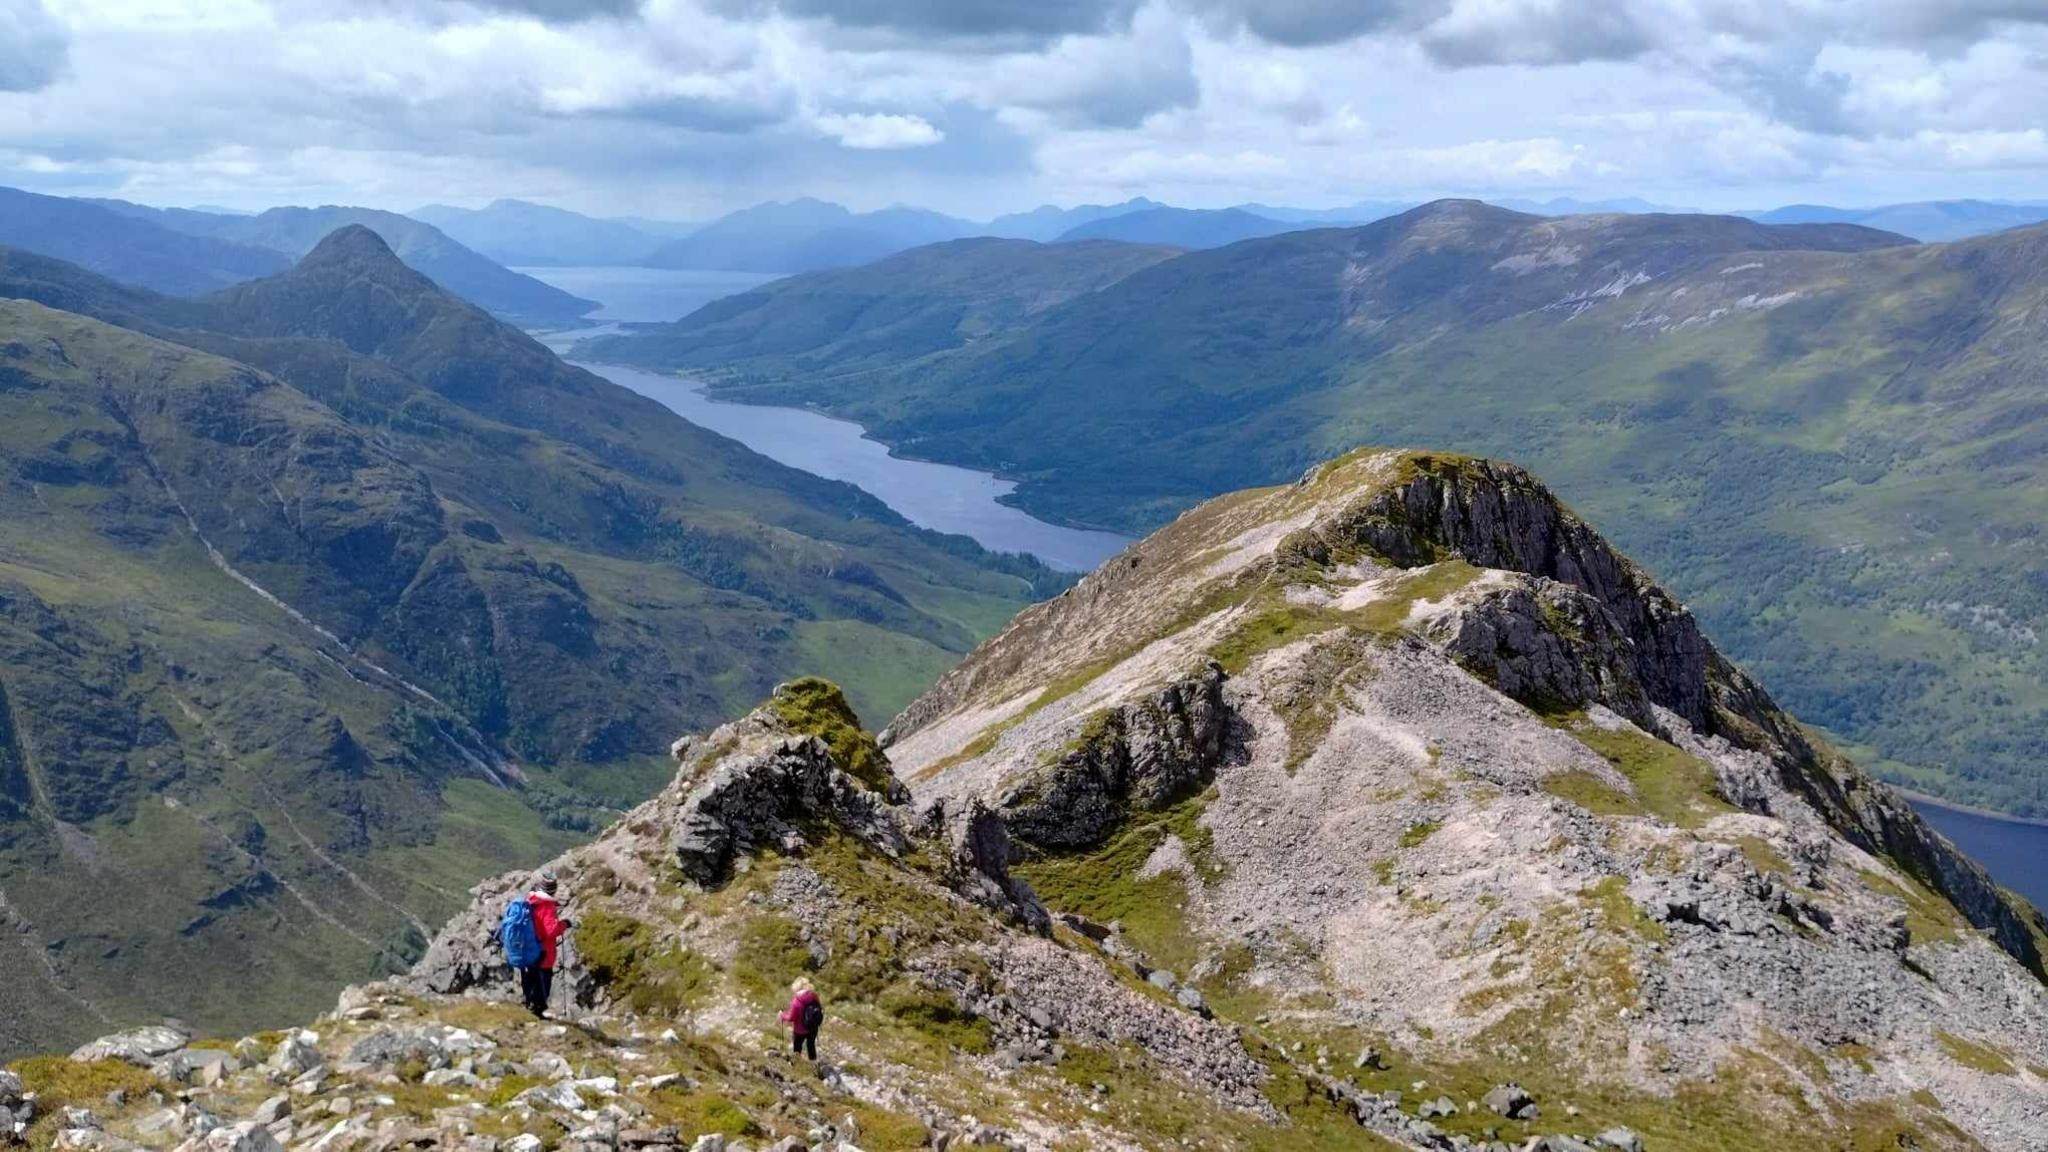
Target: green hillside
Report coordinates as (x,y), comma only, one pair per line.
(1828,440)
(927,300)
(322,597)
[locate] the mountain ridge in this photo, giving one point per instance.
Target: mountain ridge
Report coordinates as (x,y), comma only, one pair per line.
(1828,450)
(124,248)
(295,231)
(1298,777)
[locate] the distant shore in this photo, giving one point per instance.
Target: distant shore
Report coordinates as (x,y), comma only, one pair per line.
(1968,810)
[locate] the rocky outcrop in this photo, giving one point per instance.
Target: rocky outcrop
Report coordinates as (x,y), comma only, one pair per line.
(139,1046)
(1634,643)
(751,802)
(978,853)
(1139,756)
(1498,516)
(1891,828)
(1550,646)
(753,785)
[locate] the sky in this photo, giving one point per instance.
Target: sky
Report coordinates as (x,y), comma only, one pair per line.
(682,109)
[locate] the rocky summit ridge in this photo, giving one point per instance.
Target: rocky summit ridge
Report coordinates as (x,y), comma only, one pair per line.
(1390,809)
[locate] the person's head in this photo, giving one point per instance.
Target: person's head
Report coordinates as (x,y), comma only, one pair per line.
(799,986)
(547,882)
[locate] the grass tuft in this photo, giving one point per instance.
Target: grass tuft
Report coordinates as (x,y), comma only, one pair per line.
(636,969)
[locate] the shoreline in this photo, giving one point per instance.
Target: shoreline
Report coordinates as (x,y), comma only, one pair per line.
(1919,798)
(1110,544)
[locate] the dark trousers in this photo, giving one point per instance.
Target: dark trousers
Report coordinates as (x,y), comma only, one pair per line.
(536,984)
(806,1043)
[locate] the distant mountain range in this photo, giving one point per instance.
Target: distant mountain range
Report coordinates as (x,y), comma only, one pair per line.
(1181,227)
(803,235)
(122,247)
(1932,220)
(1832,440)
(424,248)
(326,594)
(472,251)
(808,235)
(522,234)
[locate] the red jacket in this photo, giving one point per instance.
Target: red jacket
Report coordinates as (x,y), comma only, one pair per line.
(794,1014)
(547,924)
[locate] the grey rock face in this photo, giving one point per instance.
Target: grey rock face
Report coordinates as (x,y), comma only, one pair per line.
(750,802)
(1143,755)
(466,954)
(1548,644)
(980,851)
(1498,516)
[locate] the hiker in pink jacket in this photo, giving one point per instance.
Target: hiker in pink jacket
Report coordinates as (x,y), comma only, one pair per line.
(805,1015)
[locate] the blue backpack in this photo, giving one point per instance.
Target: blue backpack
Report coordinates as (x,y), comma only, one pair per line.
(516,934)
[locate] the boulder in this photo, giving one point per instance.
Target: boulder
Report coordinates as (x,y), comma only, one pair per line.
(140,1046)
(245,1137)
(1437,1109)
(202,1067)
(295,1055)
(1511,1101)
(1620,1140)
(272,1110)
(561,1096)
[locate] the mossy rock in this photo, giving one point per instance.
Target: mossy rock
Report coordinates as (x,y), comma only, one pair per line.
(814,706)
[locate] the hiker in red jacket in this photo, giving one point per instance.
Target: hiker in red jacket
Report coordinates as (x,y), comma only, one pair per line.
(538,982)
(805,1015)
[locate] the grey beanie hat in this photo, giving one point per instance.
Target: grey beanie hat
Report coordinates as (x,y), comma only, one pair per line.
(547,880)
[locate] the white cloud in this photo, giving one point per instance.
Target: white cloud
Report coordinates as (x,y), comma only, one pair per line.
(686,106)
(878,130)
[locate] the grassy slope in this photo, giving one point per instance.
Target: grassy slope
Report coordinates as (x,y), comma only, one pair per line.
(1846,483)
(577,582)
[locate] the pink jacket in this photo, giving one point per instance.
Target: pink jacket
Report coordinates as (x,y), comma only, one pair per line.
(794,1014)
